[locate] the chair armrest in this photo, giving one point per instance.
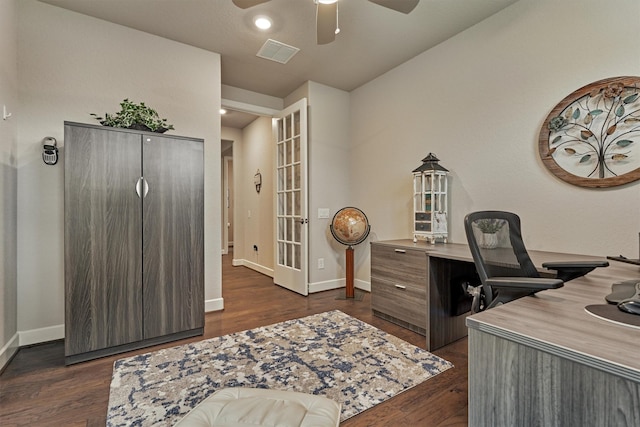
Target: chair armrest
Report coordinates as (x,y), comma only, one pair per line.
(559,265)
(569,270)
(524,283)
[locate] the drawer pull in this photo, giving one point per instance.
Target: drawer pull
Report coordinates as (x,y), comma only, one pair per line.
(400,251)
(401,287)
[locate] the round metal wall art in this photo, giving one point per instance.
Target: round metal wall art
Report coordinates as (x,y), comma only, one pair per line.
(592,137)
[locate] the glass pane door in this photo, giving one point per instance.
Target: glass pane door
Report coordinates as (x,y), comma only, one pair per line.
(291,205)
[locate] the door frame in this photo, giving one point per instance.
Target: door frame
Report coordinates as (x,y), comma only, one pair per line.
(226,197)
(239,258)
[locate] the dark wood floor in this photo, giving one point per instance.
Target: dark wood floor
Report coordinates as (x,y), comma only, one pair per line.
(36,389)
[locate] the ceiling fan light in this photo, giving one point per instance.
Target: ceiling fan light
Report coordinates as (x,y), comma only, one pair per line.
(262,22)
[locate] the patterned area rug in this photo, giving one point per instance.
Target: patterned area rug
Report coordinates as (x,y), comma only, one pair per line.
(330,354)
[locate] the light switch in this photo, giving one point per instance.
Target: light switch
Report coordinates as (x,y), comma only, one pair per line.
(323,212)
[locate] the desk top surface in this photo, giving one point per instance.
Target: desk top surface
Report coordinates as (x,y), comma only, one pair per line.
(555,321)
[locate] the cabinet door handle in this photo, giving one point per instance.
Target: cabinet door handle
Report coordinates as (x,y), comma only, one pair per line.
(142,188)
(400,251)
(400,286)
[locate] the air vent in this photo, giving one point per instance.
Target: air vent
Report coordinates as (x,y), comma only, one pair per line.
(276,51)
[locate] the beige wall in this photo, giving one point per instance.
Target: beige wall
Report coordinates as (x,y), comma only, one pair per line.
(478,101)
(254,212)
(69,66)
(8,180)
(329,186)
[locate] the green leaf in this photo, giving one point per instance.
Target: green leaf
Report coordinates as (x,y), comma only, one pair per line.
(556,139)
(585,158)
(620,111)
(576,114)
(595,112)
(631,98)
(624,142)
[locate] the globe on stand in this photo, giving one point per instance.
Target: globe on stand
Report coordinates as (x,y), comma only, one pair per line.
(350,227)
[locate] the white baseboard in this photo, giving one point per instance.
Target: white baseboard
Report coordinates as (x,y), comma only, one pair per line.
(35,336)
(326,285)
(252,265)
(8,350)
(216,304)
(338,283)
(52,333)
(362,285)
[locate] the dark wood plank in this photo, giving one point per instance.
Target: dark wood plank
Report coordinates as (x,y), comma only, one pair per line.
(399,284)
(37,389)
(444,274)
(173,235)
(103,292)
(527,384)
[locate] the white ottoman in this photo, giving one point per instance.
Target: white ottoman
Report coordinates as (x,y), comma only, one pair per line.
(240,407)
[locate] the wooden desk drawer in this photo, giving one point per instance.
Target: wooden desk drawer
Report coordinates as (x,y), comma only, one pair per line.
(399,264)
(405,302)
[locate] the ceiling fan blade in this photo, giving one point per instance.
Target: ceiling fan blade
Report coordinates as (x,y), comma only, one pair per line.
(326,22)
(246,4)
(404,6)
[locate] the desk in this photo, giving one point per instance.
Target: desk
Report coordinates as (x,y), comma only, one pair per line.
(540,360)
(411,286)
(544,361)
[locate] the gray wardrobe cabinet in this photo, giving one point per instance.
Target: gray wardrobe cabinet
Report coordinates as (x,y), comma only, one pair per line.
(133,239)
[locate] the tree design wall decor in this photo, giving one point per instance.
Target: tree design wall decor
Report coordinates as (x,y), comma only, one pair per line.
(592,137)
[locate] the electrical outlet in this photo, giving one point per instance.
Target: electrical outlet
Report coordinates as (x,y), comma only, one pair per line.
(320,263)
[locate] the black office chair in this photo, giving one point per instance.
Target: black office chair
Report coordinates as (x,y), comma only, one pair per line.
(503,264)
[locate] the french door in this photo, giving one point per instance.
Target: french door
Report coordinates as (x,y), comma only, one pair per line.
(291,225)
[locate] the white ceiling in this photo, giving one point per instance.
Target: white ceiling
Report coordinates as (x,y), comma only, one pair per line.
(372,40)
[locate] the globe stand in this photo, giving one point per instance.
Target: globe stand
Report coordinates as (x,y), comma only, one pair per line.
(349,293)
(350,227)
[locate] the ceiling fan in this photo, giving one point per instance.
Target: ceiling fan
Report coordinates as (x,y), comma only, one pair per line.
(327,14)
